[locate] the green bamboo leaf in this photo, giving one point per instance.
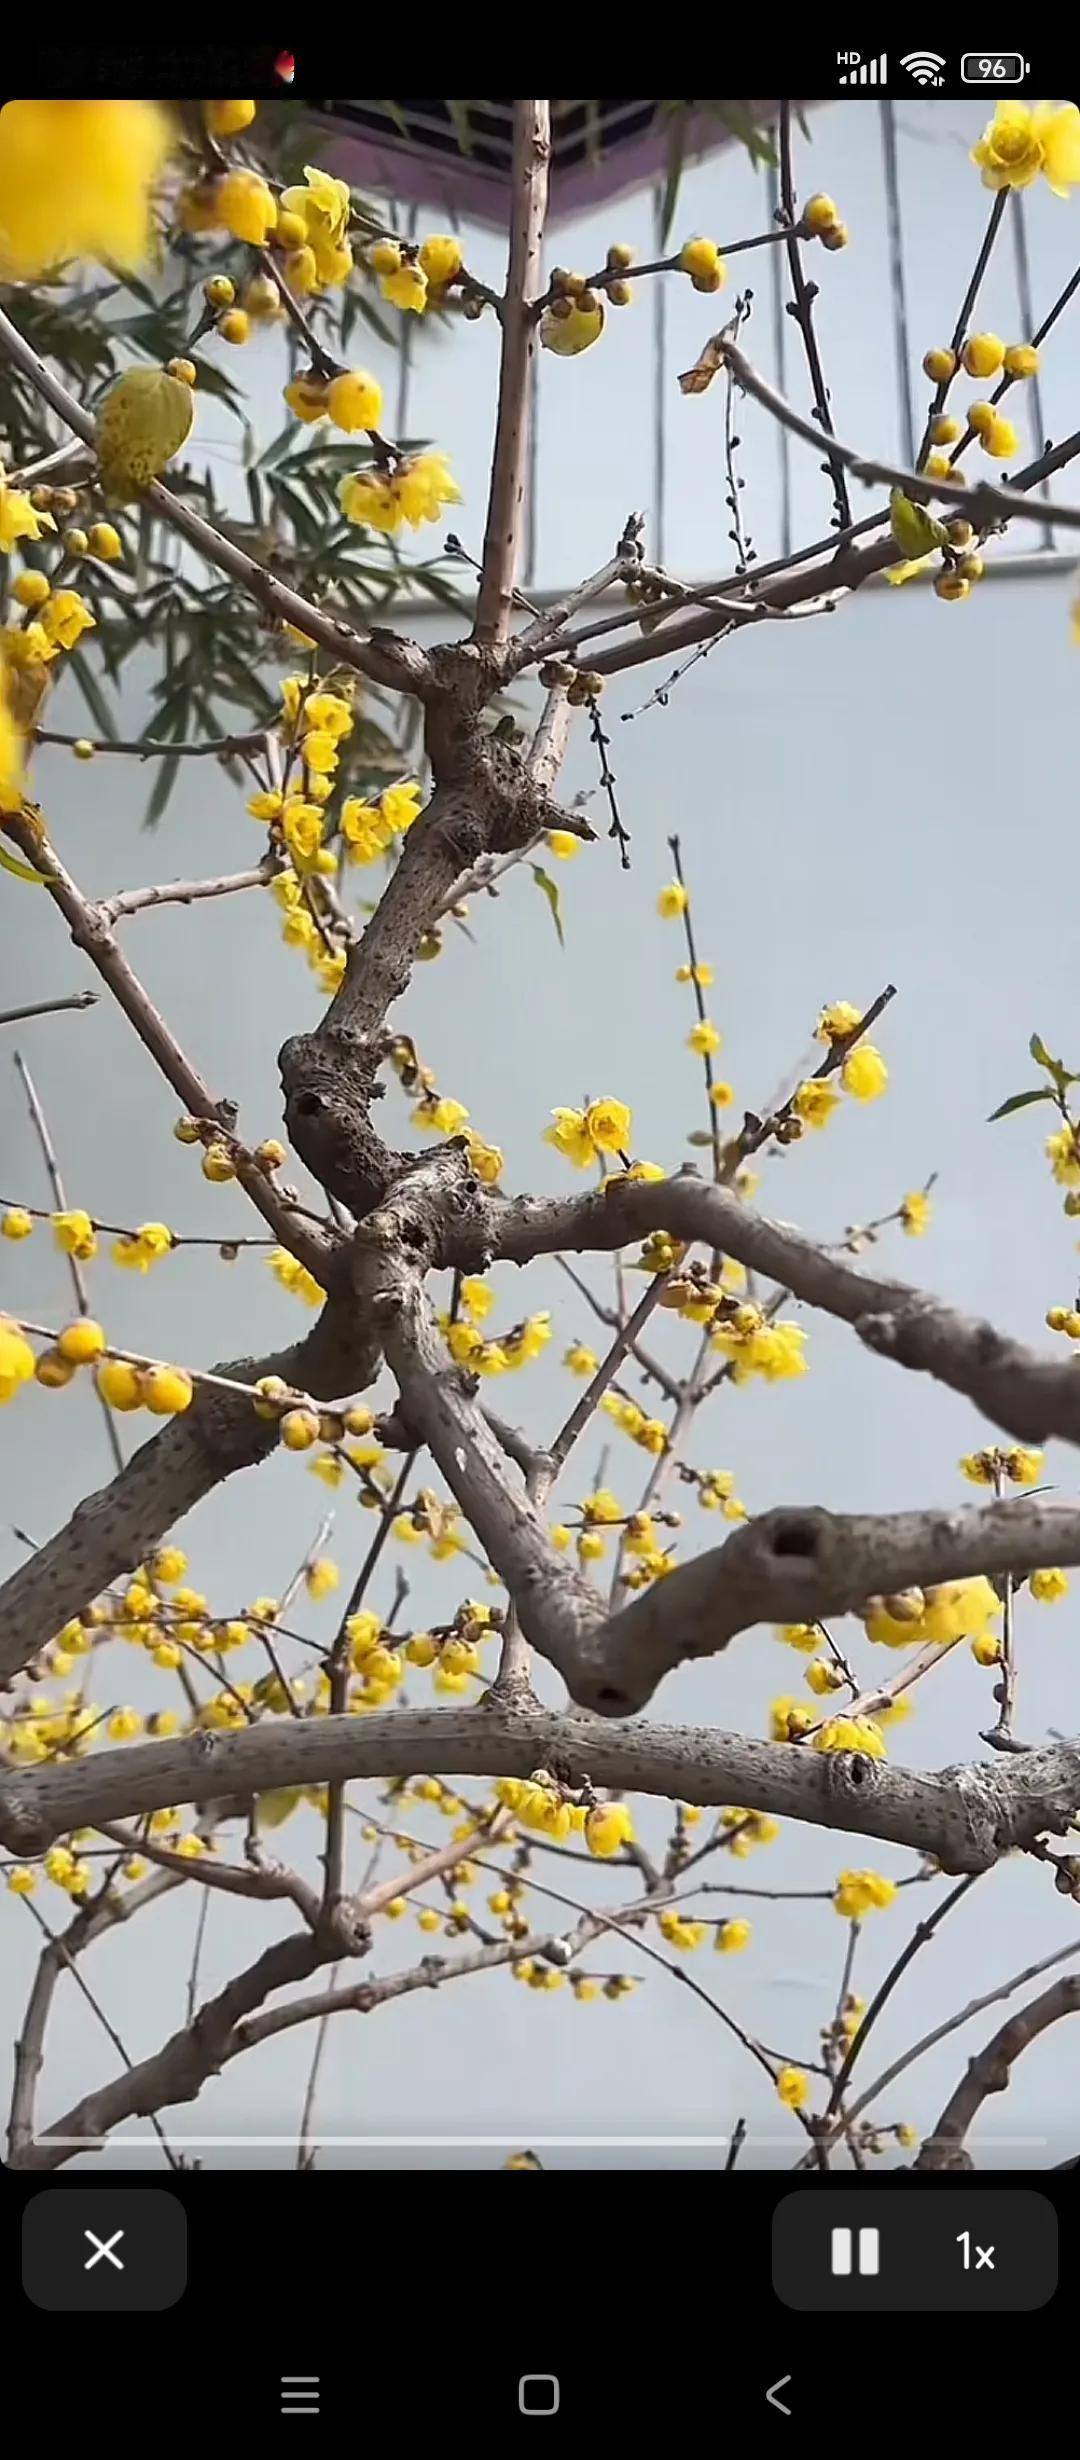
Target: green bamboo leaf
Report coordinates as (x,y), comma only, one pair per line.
(1020,1101)
(549,889)
(163,786)
(79,666)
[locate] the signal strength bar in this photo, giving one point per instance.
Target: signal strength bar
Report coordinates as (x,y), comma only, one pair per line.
(864,72)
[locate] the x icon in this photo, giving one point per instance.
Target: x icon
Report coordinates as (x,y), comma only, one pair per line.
(103,2247)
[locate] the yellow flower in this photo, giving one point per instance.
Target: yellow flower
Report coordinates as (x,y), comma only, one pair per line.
(19,519)
(302,828)
(1063,1154)
(701,259)
(571,1138)
(861,1892)
(441,1114)
(415,491)
(166,1391)
(244,205)
(915,1214)
(477,1298)
(563,844)
(982,355)
(850,1734)
(1023,139)
(1024,1467)
(815,1101)
(837,1021)
(1022,359)
(227,119)
(75,1235)
(731,1936)
(802,1636)
(1049,1585)
(321,1577)
(672,901)
(76,180)
(21,1880)
(145,1246)
(581,1361)
(308,397)
(607,1827)
(16,1358)
(486,1160)
(400,805)
(864,1073)
(570,326)
(704,1038)
(608,1124)
(17,1223)
(355,401)
(65,618)
(406,284)
(793,2087)
(441,260)
(1000,439)
(322,208)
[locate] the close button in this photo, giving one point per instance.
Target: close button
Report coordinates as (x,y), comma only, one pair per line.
(117,2250)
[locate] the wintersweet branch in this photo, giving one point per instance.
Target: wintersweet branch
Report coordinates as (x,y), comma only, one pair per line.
(967,1817)
(991,2071)
(90,928)
(399,664)
(982,503)
(509,468)
(48,1007)
(1031,1397)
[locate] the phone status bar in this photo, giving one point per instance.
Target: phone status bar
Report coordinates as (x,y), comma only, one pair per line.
(932,72)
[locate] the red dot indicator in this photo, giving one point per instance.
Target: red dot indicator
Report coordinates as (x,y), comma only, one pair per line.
(285,67)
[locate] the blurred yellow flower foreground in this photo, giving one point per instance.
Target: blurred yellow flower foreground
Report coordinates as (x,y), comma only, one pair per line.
(76,180)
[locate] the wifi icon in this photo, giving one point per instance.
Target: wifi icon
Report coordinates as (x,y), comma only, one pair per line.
(925,66)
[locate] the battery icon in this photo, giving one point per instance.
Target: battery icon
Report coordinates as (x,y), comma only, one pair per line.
(994,68)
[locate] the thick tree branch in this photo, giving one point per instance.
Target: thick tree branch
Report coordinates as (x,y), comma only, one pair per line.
(1031,1397)
(178,2071)
(509,468)
(967,1816)
(110,1532)
(990,2071)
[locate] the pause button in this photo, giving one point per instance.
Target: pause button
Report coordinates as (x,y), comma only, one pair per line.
(868,2258)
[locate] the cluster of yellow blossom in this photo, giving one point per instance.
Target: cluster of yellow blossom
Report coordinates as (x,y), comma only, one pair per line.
(650,1433)
(861,1892)
(792,1720)
(414,275)
(915,1210)
(746,1830)
(368,829)
(993,1466)
(502,1351)
(413,488)
(756,1346)
(680,1932)
(954,1610)
(584,1136)
(1064,1320)
(538,1802)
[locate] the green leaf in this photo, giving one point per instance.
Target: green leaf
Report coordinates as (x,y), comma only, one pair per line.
(163,786)
(548,888)
(1062,1075)
(1020,1101)
(79,666)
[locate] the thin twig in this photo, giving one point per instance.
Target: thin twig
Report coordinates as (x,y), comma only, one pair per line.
(49,1007)
(78,1278)
(802,309)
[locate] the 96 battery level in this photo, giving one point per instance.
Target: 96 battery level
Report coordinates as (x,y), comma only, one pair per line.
(994,68)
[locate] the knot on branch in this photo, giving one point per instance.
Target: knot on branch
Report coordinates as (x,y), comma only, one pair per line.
(851,1776)
(329,1084)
